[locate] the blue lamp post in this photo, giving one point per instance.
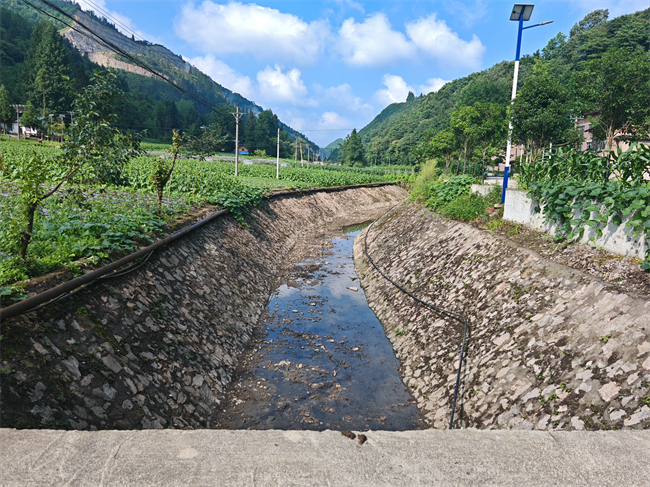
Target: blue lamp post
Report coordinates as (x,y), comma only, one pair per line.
(520,13)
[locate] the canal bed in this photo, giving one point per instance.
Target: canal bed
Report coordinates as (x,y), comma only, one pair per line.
(320,359)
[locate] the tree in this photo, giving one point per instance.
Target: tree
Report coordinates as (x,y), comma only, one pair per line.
(94,149)
(249,132)
(6,111)
(443,146)
(161,170)
(541,113)
(410,97)
(211,141)
(29,118)
(492,129)
(464,125)
(353,150)
(555,47)
(591,20)
(616,89)
(48,68)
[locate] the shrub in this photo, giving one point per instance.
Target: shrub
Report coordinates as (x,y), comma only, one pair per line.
(466,207)
(447,191)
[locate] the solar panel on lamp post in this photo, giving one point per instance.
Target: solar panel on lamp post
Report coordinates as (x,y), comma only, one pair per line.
(520,13)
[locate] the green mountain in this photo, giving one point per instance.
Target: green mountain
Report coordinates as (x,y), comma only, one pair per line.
(400,127)
(334,145)
(154,105)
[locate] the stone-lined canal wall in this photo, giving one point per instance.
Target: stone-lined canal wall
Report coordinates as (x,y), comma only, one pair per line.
(550,347)
(157,347)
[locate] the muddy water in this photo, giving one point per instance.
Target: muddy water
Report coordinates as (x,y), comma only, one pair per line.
(321,360)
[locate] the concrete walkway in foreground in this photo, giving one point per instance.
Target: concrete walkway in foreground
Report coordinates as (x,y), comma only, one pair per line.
(287,458)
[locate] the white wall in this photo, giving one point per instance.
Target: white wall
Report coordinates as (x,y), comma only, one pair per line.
(520,208)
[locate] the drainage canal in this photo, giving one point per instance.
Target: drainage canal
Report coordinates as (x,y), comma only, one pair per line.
(320,359)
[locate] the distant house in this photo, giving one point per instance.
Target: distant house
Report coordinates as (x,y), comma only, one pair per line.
(243,151)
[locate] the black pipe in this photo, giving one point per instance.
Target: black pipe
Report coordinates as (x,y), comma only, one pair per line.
(451,314)
(30,303)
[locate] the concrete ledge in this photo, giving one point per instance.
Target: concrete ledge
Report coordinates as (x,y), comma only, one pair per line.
(520,208)
(220,457)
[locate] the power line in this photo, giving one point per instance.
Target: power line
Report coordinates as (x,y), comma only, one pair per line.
(116,49)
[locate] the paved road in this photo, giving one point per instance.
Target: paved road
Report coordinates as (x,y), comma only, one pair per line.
(296,458)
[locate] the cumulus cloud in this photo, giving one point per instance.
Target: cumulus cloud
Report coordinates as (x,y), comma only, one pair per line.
(251,29)
(435,38)
(396,90)
(372,42)
(280,87)
(432,85)
(224,75)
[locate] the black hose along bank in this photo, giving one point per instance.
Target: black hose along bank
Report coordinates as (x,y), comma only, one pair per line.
(445,312)
(115,269)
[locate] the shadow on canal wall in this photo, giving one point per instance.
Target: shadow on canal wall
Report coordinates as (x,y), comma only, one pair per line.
(551,348)
(156,348)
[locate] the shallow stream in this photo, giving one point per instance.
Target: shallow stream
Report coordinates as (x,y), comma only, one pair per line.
(321,360)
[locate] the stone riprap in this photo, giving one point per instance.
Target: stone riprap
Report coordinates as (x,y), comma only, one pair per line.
(550,348)
(156,348)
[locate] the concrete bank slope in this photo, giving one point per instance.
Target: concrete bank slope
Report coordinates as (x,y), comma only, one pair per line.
(156,348)
(306,458)
(550,348)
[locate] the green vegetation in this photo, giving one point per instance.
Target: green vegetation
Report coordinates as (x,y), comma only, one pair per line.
(577,69)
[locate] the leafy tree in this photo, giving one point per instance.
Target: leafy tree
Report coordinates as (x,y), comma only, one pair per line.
(94,149)
(492,129)
(591,21)
(211,141)
(249,132)
(410,97)
(161,170)
(616,89)
(29,118)
(555,47)
(464,125)
(353,150)
(48,68)
(541,112)
(6,111)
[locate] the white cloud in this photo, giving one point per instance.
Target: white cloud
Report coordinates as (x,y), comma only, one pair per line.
(343,98)
(432,85)
(224,75)
(396,90)
(372,42)
(334,121)
(250,29)
(434,37)
(276,86)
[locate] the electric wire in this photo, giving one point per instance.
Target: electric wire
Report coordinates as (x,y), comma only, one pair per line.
(450,314)
(116,49)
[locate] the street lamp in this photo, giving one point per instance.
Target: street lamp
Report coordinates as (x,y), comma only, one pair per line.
(520,13)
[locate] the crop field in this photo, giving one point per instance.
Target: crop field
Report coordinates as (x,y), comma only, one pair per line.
(94,223)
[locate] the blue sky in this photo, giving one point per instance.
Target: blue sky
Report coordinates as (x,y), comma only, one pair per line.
(328,66)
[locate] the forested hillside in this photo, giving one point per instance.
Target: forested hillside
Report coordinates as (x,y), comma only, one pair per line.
(398,130)
(37,52)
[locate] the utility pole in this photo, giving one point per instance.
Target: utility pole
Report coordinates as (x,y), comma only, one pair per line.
(237,116)
(302,162)
(277,167)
